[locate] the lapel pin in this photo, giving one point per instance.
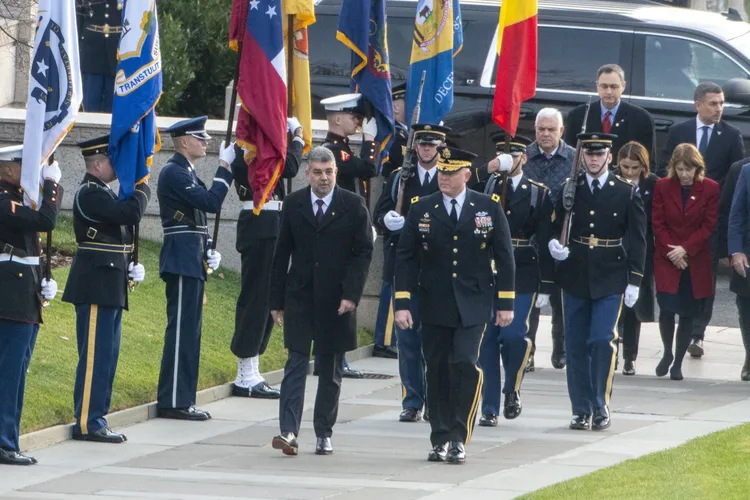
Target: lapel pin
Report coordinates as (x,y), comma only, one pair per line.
(523,186)
(692,197)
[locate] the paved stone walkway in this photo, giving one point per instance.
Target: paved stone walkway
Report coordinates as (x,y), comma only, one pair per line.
(376,457)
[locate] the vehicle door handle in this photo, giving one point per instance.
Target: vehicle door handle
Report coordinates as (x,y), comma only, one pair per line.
(525,112)
(662,125)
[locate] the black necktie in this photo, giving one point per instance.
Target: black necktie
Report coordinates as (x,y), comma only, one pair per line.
(319,213)
(703,146)
(426,179)
(454,211)
(595,187)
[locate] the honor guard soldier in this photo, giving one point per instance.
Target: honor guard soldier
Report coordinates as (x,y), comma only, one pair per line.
(98,286)
(256,239)
(401,137)
(528,208)
(20,285)
(185,255)
(446,251)
(594,272)
(421,180)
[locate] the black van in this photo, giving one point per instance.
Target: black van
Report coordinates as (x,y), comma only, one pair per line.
(665,51)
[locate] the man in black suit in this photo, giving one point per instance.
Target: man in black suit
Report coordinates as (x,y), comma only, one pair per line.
(612,115)
(720,144)
(326,232)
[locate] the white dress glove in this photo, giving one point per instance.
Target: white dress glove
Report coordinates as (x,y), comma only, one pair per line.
(214,259)
(631,295)
(292,124)
(370,127)
(49,289)
(558,251)
(226,153)
(136,272)
(542,300)
(506,162)
(393,221)
(52,172)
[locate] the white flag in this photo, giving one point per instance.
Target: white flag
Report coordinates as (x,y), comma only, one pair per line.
(54,90)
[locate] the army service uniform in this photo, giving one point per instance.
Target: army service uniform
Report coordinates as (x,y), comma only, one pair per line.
(99,32)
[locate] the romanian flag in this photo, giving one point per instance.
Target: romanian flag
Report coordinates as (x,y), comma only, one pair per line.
(516,61)
(304,15)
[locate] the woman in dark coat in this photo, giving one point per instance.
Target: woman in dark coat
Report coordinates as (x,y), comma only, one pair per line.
(684,213)
(633,165)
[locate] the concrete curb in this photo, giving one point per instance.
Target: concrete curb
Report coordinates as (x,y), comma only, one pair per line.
(59,433)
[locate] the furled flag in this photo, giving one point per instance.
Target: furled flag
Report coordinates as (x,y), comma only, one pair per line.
(438,38)
(304,15)
(516,61)
(256,31)
(134,138)
(362,28)
(54,90)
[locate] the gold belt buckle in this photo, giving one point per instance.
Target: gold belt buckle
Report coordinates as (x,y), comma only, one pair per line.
(593,242)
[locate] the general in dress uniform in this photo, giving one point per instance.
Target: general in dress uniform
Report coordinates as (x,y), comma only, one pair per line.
(21,289)
(98,286)
(445,252)
(99,31)
(595,273)
(256,239)
(421,180)
(185,254)
(528,208)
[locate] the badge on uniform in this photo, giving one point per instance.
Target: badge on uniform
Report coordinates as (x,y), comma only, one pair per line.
(345,156)
(483,223)
(424,226)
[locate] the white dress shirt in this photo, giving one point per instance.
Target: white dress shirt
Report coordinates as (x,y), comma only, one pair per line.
(516,180)
(602,180)
(326,201)
(461,198)
(421,171)
(699,131)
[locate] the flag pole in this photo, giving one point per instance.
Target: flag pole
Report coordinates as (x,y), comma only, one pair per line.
(504,175)
(290,79)
(48,249)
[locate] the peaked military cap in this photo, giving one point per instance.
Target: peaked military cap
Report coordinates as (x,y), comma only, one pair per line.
(399,91)
(596,142)
(95,146)
(11,153)
(192,126)
(345,103)
(518,143)
(425,133)
(453,159)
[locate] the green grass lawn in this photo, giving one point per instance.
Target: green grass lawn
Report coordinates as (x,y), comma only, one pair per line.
(716,466)
(49,386)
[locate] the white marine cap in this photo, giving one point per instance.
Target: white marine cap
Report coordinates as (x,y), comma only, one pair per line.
(347,103)
(11,153)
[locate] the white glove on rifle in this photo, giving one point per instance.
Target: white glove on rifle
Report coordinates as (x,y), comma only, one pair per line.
(542,300)
(631,295)
(558,251)
(506,162)
(136,272)
(49,289)
(226,153)
(214,259)
(393,221)
(52,172)
(370,127)
(292,124)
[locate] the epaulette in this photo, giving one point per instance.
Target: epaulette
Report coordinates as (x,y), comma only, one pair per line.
(414,200)
(540,184)
(623,179)
(495,197)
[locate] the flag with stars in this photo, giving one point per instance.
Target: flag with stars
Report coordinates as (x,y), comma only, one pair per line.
(54,90)
(256,31)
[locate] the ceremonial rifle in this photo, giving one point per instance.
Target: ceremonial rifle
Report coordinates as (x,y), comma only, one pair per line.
(569,190)
(407,169)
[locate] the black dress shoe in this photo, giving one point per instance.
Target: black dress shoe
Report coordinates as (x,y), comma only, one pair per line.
(558,360)
(580,422)
(103,435)
(456,453)
(351,373)
(696,348)
(410,415)
(529,365)
(191,413)
(745,374)
(323,446)
(264,391)
(600,420)
(438,454)
(512,406)
(385,351)
(488,420)
(286,442)
(9,457)
(629,368)
(663,367)
(675,373)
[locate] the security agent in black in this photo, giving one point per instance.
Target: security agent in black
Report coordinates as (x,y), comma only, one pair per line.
(256,239)
(97,286)
(396,154)
(446,251)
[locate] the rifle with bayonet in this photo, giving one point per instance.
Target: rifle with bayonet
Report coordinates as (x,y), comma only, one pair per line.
(569,191)
(407,169)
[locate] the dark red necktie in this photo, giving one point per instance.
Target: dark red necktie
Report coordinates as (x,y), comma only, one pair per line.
(606,124)
(319,214)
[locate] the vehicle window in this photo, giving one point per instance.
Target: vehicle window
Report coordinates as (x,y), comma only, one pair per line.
(675,66)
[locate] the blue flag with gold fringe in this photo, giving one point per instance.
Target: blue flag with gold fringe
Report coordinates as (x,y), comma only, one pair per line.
(362,28)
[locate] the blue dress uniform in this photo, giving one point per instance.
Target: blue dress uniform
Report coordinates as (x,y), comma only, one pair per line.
(20,300)
(97,287)
(183,203)
(593,278)
(447,257)
(528,209)
(411,360)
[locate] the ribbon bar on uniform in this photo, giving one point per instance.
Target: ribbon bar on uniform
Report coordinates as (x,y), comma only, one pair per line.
(27,261)
(105,247)
(598,242)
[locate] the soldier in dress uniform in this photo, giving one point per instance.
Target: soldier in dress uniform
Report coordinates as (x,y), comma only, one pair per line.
(446,251)
(185,255)
(99,30)
(401,136)
(256,239)
(421,180)
(528,208)
(20,287)
(98,286)
(595,273)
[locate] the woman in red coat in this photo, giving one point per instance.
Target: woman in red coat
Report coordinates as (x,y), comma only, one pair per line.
(684,212)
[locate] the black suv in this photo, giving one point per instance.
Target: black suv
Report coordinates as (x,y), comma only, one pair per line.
(664,51)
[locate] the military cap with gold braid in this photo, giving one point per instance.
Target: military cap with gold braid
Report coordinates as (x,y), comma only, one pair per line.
(518,143)
(95,146)
(453,159)
(399,91)
(425,133)
(11,154)
(596,142)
